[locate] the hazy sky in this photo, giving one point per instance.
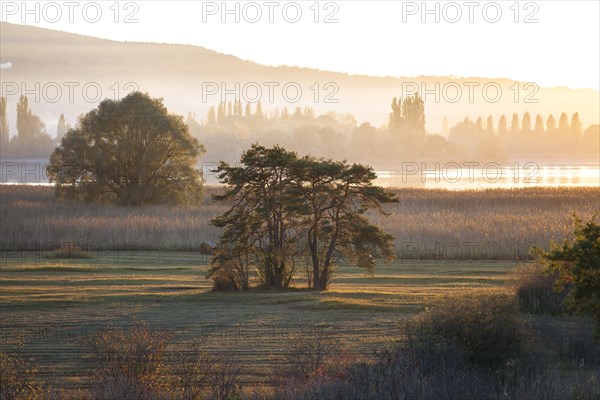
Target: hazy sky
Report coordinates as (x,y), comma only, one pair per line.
(552,43)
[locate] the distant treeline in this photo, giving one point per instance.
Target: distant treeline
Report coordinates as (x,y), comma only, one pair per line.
(32,140)
(230,128)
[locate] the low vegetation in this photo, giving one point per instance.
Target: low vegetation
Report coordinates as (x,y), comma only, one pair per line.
(433,225)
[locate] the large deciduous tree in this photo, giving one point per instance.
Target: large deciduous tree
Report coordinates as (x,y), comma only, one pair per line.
(285,209)
(129,152)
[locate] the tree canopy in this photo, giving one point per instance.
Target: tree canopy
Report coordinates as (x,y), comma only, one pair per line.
(577,262)
(129,152)
(288,211)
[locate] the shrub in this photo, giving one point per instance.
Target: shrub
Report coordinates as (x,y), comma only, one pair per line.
(576,263)
(535,291)
(18,380)
(129,364)
(308,353)
(223,282)
(192,370)
(483,329)
(69,252)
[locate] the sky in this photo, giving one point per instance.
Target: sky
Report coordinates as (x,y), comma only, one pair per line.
(550,43)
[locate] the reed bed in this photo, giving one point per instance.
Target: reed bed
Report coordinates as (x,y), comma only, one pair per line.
(427,224)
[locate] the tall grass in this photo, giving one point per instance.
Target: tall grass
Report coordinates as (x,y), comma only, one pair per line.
(427,224)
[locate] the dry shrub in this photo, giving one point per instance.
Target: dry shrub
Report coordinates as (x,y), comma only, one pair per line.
(308,353)
(18,379)
(224,376)
(200,374)
(129,364)
(192,371)
(223,282)
(535,290)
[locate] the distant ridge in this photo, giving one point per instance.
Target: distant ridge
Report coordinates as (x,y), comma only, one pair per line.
(177,72)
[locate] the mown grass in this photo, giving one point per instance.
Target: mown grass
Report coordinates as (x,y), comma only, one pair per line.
(50,309)
(427,224)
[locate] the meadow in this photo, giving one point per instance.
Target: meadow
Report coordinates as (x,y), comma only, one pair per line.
(51,307)
(432,224)
(69,272)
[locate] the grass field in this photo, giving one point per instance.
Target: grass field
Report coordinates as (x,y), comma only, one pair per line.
(51,309)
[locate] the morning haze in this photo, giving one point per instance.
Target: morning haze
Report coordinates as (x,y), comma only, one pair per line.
(178,223)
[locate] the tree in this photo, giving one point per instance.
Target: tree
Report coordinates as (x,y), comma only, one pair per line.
(129,152)
(514,125)
(502,131)
(577,263)
(478,127)
(539,124)
(396,120)
(221,113)
(526,125)
(3,125)
(29,125)
(211,116)
(61,128)
(332,199)
(286,208)
(259,228)
(413,110)
(550,124)
(490,125)
(563,123)
(258,113)
(576,125)
(248,112)
(445,128)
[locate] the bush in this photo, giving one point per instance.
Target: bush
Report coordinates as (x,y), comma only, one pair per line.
(577,266)
(223,282)
(129,364)
(535,291)
(18,379)
(484,330)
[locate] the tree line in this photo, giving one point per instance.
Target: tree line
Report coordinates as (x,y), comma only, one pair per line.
(32,139)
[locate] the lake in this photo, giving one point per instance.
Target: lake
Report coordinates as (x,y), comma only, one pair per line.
(454,176)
